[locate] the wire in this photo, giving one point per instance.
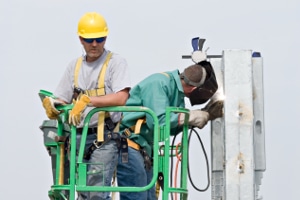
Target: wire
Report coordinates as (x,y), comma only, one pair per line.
(206,159)
(192,129)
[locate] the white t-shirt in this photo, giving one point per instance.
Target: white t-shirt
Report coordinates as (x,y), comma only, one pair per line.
(116,79)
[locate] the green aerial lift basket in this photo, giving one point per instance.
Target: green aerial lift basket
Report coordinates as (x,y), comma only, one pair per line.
(55,130)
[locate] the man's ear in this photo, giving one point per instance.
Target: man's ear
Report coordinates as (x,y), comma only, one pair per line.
(192,88)
(187,89)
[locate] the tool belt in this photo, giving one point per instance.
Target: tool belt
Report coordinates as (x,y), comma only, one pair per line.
(121,144)
(110,135)
(148,161)
(109,125)
(89,131)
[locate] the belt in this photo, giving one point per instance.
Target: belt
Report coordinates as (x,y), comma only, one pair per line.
(89,131)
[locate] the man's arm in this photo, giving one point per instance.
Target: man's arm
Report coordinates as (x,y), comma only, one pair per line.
(114,99)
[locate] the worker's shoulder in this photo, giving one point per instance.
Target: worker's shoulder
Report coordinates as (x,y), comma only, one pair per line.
(161,77)
(167,74)
(116,56)
(117,60)
(73,62)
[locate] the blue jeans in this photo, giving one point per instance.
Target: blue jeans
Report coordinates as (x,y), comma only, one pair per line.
(134,174)
(103,162)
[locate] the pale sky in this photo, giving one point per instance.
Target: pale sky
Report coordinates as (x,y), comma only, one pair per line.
(38,40)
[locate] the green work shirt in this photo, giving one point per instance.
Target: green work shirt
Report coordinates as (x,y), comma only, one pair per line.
(156,92)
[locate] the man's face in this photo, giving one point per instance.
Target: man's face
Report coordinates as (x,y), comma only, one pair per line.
(93,47)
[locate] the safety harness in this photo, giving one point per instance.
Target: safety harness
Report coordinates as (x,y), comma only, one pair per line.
(104,119)
(135,130)
(100,91)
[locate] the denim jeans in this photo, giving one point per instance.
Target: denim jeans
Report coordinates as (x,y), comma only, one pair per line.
(134,174)
(101,167)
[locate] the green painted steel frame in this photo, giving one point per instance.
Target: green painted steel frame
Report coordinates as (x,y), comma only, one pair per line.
(161,162)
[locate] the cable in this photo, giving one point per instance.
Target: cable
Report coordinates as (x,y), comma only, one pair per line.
(206,159)
(192,129)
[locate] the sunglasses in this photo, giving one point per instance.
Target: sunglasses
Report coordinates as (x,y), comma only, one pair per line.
(91,40)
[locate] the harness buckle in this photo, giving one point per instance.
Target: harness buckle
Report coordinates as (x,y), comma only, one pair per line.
(127,132)
(76,92)
(97,144)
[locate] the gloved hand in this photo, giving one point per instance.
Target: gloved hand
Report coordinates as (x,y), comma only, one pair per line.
(215,109)
(49,105)
(197,118)
(79,106)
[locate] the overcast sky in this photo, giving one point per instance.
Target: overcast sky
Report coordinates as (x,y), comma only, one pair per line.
(38,40)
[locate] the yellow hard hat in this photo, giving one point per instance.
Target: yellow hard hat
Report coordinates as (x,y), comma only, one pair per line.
(92,25)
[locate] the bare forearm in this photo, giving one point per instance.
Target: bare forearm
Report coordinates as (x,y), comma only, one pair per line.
(116,99)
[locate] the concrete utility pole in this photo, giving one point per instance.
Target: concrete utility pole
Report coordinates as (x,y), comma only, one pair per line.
(238,139)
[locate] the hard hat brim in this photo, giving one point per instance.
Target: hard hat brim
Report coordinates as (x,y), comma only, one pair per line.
(93,35)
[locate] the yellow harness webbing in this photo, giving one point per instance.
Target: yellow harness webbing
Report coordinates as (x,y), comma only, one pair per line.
(164,73)
(138,125)
(77,68)
(96,92)
(101,118)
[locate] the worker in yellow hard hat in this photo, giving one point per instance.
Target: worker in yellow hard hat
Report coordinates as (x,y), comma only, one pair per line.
(92,31)
(83,84)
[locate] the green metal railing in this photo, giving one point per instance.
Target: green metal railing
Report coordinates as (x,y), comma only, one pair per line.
(78,168)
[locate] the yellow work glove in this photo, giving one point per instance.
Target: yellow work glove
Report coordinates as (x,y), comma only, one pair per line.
(215,109)
(79,106)
(198,118)
(49,105)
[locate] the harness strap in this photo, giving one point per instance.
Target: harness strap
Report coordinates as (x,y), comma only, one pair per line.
(101,118)
(100,90)
(164,73)
(96,145)
(76,72)
(133,145)
(138,125)
(147,159)
(95,92)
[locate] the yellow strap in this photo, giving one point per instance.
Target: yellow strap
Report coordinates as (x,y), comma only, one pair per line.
(133,145)
(100,90)
(61,164)
(77,68)
(164,73)
(100,130)
(101,118)
(95,92)
(102,73)
(157,189)
(138,125)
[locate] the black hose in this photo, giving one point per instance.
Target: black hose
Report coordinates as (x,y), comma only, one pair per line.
(189,173)
(206,159)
